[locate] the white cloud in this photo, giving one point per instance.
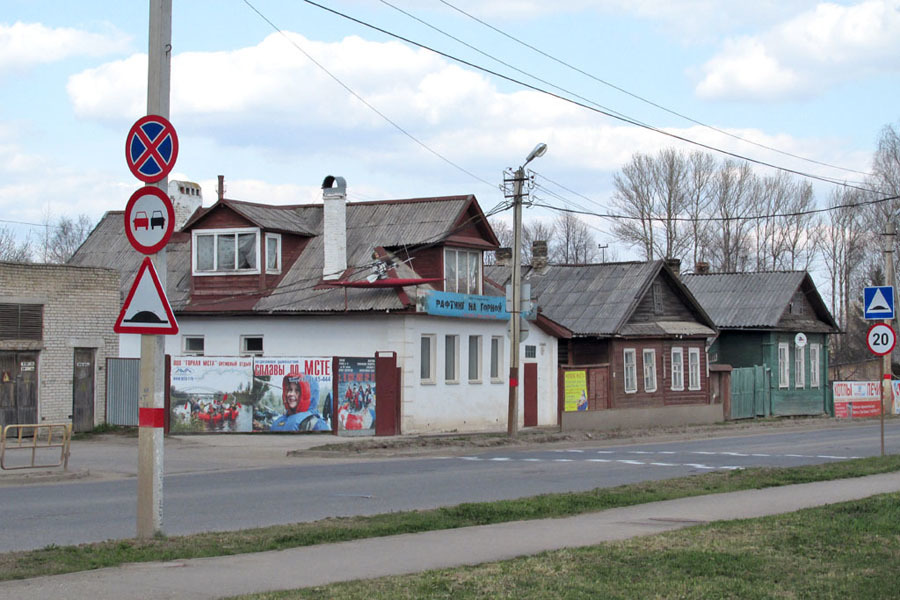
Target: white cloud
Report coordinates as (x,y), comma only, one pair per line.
(807,54)
(24,45)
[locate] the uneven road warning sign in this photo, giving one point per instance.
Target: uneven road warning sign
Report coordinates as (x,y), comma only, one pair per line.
(146,309)
(878,302)
(151,148)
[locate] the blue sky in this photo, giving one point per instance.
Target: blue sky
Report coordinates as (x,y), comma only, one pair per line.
(814,79)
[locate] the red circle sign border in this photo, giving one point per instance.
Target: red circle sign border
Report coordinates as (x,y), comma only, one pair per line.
(170,220)
(893,334)
(167,167)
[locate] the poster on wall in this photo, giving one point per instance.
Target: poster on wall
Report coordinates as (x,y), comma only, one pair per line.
(576,391)
(356,395)
(292,394)
(211,394)
(857,399)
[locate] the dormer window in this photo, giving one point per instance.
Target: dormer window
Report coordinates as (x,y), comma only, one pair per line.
(225,251)
(273,253)
(462,271)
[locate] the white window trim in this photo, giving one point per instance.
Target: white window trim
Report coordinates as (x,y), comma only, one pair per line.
(815,357)
(694,373)
(478,359)
(277,238)
(184,346)
(243,345)
(633,368)
(216,232)
(678,367)
(454,376)
(500,355)
(431,378)
(784,366)
(799,367)
(651,371)
(456,252)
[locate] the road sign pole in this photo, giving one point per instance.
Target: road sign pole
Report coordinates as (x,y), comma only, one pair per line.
(886,395)
(152,375)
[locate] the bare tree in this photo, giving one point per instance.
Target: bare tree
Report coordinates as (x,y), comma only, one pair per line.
(68,234)
(11,249)
(536,231)
(633,199)
(735,185)
(670,176)
(504,235)
(575,243)
(698,196)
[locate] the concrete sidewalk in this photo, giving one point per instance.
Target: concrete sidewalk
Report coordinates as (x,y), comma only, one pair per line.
(411,553)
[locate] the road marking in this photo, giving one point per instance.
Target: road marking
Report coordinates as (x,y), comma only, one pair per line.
(631,462)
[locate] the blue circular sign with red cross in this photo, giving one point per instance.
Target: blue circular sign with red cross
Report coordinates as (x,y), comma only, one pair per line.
(151,148)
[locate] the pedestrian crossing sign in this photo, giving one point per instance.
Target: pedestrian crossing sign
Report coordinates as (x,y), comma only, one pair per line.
(878,302)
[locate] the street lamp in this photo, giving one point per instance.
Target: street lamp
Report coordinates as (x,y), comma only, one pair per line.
(516,284)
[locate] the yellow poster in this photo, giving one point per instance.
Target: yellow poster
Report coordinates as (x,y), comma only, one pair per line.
(576,390)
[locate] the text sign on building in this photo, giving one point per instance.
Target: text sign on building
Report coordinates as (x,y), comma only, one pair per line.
(469,306)
(878,302)
(151,148)
(149,219)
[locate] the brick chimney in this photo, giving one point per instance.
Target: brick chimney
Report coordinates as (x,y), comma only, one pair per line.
(334,234)
(503,257)
(701,268)
(539,255)
(675,265)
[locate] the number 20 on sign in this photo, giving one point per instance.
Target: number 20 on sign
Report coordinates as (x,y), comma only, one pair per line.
(881,339)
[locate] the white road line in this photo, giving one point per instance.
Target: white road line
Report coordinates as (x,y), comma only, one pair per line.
(470,457)
(704,452)
(500,459)
(531,460)
(603,460)
(734,454)
(696,466)
(764,455)
(563,460)
(664,464)
(631,462)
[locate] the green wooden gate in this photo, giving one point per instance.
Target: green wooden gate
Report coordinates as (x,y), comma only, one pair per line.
(749,393)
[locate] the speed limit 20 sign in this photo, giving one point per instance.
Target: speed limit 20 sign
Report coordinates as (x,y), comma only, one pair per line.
(881,339)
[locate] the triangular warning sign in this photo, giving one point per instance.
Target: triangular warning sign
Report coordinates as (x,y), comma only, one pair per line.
(146,309)
(879,303)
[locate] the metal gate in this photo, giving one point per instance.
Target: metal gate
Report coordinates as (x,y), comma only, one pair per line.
(122,391)
(749,393)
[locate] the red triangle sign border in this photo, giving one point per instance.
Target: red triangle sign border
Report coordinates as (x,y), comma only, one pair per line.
(122,327)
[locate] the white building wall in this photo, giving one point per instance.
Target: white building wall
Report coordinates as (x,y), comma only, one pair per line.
(426,408)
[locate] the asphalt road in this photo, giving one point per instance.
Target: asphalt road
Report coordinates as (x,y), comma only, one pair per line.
(227,491)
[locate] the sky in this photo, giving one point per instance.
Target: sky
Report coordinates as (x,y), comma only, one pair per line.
(276,94)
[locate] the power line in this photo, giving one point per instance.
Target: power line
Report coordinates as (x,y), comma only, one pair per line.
(641,98)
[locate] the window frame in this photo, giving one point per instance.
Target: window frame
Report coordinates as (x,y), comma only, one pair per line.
(677,367)
(216,234)
(632,368)
(277,237)
(477,260)
(185,351)
(815,373)
(476,360)
(244,351)
(428,371)
(695,383)
(648,367)
(784,365)
(451,358)
(799,367)
(496,371)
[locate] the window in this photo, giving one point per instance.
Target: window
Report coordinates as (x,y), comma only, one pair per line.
(496,357)
(251,345)
(799,367)
(814,353)
(426,359)
(649,370)
(21,321)
(462,270)
(273,253)
(192,345)
(475,359)
(630,371)
(677,369)
(226,251)
(451,358)
(530,351)
(784,367)
(694,368)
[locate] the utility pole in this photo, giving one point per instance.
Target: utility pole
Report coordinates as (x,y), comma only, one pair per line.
(515,310)
(152,400)
(886,391)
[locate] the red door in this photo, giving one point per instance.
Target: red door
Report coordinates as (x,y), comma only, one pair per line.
(530,391)
(387,390)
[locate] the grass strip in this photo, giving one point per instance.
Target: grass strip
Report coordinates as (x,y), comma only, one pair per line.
(847,550)
(66,559)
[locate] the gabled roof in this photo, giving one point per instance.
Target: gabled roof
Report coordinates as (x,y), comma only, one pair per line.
(599,299)
(755,300)
(389,228)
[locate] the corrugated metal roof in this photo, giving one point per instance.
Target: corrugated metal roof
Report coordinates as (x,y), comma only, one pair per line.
(745,300)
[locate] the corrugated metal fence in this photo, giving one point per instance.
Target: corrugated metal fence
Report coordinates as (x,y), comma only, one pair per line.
(122,390)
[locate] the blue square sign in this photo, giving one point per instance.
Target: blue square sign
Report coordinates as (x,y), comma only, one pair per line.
(878,302)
